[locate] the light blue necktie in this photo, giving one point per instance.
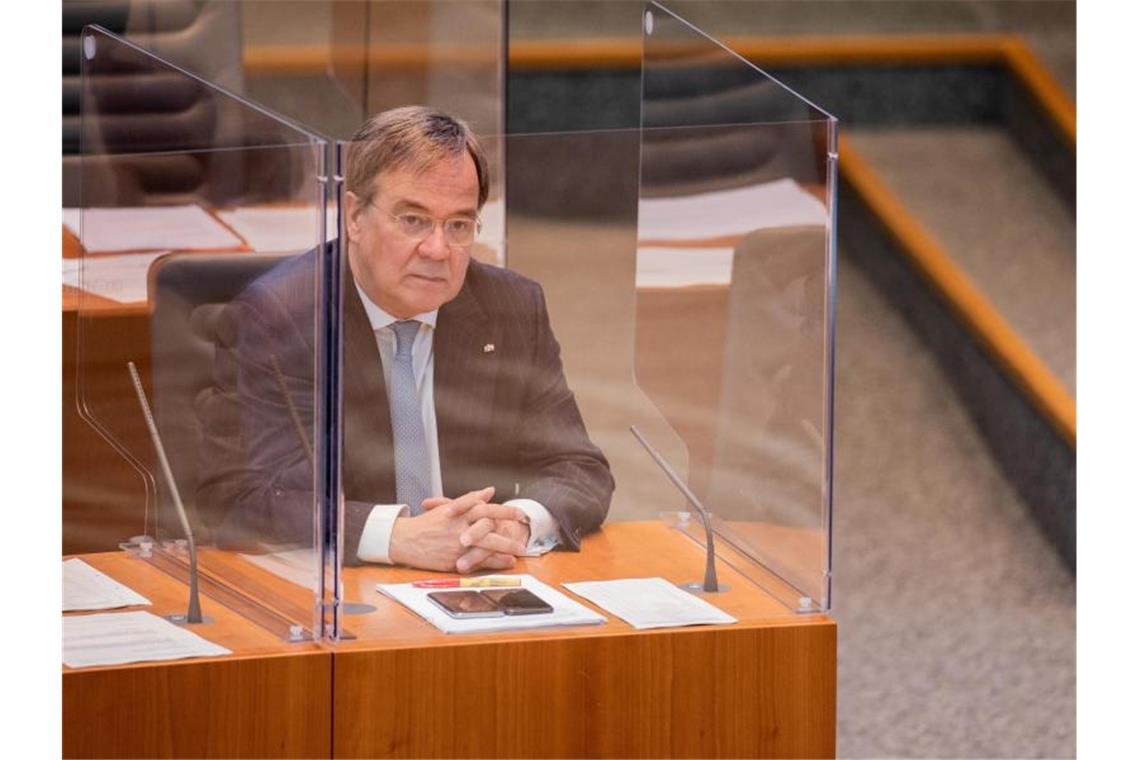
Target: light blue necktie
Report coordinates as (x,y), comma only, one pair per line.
(413,481)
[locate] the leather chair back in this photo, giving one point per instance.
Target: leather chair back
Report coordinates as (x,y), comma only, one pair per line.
(188,292)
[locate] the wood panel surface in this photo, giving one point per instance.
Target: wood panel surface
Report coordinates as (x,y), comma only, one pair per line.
(105,500)
(736,691)
(270,698)
(621,550)
(227,628)
(276,706)
(764,687)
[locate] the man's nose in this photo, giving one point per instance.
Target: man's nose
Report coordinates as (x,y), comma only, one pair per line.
(435,245)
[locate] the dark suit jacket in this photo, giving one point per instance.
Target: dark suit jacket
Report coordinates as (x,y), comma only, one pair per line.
(505,416)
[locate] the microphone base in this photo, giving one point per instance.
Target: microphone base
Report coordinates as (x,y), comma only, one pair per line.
(180,619)
(357,608)
(698,587)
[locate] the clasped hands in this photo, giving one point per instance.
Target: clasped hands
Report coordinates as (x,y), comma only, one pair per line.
(465,534)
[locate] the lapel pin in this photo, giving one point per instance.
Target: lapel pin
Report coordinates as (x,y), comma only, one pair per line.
(488,348)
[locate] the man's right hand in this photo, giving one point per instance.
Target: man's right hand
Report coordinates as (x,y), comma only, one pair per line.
(431,540)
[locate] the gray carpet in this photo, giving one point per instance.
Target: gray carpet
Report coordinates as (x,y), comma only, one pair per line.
(982,200)
(956,619)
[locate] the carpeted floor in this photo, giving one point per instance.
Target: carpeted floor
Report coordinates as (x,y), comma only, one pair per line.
(956,619)
(983,201)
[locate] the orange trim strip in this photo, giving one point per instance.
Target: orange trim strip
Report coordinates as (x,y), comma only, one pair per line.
(876,49)
(1037,79)
(316,60)
(1042,387)
(1005,49)
(626,52)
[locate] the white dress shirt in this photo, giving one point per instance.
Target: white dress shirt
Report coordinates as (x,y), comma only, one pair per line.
(376,537)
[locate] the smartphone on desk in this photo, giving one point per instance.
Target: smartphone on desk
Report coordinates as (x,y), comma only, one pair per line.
(465,604)
(517,601)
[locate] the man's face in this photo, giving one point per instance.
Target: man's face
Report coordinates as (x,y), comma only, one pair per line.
(403,275)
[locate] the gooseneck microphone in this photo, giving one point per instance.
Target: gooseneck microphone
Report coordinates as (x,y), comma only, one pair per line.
(710,584)
(194,612)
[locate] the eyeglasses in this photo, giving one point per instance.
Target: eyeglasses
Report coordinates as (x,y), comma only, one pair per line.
(457,231)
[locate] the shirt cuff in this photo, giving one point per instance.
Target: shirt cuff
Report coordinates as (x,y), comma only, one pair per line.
(543,527)
(376,538)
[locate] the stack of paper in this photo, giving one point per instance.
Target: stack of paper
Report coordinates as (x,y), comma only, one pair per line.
(650,603)
(272,229)
(85,588)
(683,267)
(149,228)
(119,277)
(566,610)
(701,216)
(116,638)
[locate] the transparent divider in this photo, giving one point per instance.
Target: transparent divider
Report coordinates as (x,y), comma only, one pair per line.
(669,285)
(572,227)
(521,370)
(613,325)
(735,293)
(192,201)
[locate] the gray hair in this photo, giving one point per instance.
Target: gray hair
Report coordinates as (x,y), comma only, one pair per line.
(410,137)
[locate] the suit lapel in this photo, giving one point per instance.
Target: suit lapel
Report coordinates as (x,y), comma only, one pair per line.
(368,462)
(466,368)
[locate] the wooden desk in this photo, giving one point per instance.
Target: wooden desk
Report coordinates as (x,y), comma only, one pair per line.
(764,687)
(268,699)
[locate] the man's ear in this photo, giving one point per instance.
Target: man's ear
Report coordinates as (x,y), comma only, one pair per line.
(353,208)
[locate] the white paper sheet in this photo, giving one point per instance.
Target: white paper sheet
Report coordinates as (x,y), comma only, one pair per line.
(85,588)
(116,638)
(704,216)
(682,267)
(120,277)
(149,228)
(270,229)
(650,603)
(566,610)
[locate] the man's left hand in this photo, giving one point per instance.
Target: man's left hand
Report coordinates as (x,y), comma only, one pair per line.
(488,538)
(493,542)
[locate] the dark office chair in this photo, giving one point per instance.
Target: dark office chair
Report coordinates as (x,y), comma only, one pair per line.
(188,293)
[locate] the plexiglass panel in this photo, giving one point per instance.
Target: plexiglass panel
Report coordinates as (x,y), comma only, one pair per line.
(522,377)
(528,378)
(608,302)
(735,299)
(642,268)
(193,203)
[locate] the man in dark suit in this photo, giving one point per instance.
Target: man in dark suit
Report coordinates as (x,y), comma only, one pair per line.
(463,445)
